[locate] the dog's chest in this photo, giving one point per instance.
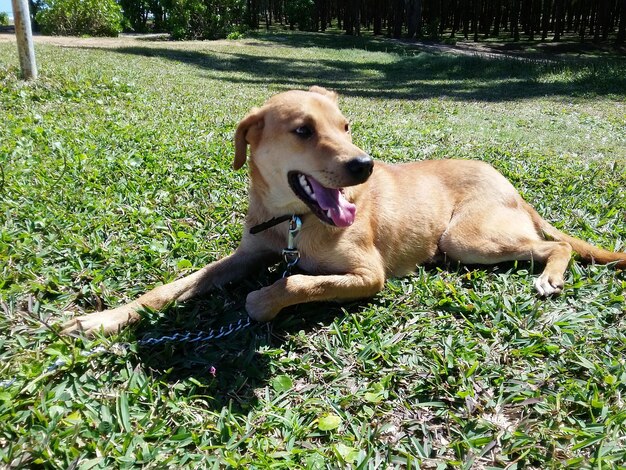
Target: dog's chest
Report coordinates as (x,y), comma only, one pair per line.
(322,250)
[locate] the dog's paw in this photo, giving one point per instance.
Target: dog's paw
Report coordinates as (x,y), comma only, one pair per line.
(108,322)
(547,285)
(259,305)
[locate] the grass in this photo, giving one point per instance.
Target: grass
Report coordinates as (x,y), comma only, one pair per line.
(115,176)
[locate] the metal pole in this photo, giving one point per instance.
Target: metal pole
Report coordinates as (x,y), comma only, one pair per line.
(24,36)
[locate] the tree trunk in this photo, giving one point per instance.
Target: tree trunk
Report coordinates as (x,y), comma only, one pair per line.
(476,5)
(497,18)
(545,19)
(570,17)
(530,27)
(348,25)
(602,19)
(398,16)
(515,20)
(414,14)
(443,16)
(598,23)
(621,31)
(456,18)
(525,8)
(466,20)
(487,18)
(536,17)
(592,16)
(378,19)
(558,19)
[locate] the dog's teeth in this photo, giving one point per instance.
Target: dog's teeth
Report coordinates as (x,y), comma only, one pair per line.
(304,184)
(329,214)
(309,191)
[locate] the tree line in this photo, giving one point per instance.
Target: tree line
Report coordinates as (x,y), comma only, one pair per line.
(594,20)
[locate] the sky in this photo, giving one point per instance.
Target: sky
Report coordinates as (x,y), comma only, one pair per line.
(5,5)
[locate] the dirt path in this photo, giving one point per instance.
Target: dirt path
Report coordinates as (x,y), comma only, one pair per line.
(546,51)
(99,42)
(148,39)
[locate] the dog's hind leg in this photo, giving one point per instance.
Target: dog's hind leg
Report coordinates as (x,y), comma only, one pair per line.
(216,274)
(479,236)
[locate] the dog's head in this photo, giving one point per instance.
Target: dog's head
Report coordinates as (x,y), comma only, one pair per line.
(301,151)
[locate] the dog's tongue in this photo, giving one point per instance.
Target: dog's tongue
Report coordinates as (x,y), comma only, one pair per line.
(342,212)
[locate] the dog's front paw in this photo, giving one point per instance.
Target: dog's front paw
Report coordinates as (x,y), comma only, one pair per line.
(260,306)
(547,285)
(108,321)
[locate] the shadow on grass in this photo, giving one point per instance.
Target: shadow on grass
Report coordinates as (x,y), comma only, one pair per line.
(414,75)
(227,371)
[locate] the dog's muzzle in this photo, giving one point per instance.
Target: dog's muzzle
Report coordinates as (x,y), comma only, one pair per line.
(329,204)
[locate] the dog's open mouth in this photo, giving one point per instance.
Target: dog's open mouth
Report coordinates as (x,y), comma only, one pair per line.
(328,204)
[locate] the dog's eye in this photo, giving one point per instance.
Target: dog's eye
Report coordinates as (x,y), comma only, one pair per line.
(303,131)
(347,127)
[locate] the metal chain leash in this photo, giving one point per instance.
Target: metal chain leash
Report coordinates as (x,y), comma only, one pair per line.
(179,338)
(199,336)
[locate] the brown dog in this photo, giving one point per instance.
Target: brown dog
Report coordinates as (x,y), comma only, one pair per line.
(361,222)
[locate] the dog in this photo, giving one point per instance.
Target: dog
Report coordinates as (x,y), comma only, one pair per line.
(361,221)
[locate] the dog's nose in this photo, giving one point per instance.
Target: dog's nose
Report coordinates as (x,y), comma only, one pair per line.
(360,167)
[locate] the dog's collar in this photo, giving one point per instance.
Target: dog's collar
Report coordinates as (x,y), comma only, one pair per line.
(270,223)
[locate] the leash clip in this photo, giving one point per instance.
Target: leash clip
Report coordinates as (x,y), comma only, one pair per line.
(291,255)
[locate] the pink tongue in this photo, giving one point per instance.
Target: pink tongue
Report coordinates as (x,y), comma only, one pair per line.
(342,212)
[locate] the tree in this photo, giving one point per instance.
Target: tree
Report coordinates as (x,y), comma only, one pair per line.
(300,13)
(601,19)
(621,32)
(136,12)
(205,19)
(397,18)
(80,17)
(414,13)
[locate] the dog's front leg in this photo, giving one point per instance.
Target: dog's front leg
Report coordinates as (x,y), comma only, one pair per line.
(216,274)
(264,304)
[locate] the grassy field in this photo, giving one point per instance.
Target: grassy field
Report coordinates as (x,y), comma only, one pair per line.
(115,176)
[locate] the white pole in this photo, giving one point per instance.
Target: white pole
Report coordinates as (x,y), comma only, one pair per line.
(24,35)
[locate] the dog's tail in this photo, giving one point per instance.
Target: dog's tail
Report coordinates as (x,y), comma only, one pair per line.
(587,251)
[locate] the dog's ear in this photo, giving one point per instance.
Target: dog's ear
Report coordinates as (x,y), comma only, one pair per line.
(323,91)
(245,135)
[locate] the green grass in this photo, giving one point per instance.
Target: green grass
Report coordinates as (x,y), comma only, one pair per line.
(115,176)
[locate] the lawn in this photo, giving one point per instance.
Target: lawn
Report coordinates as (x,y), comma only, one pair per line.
(115,176)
